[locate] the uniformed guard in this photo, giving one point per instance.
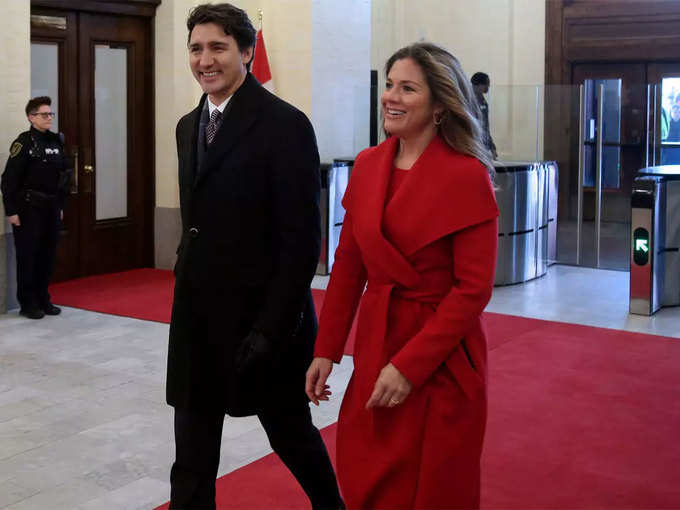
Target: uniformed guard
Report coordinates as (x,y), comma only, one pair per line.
(481,83)
(34,188)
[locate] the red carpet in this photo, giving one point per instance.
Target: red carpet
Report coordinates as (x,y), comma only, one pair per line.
(579,417)
(141,294)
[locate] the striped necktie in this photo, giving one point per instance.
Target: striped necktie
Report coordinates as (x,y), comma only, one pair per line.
(213,125)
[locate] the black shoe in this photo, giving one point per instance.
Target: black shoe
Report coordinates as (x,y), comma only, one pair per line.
(50,309)
(34,313)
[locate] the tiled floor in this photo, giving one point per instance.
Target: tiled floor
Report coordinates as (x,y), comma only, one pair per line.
(83,420)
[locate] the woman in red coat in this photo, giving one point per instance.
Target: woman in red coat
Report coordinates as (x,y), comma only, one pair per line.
(420,235)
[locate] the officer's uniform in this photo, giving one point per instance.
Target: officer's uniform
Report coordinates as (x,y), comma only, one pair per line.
(34,185)
(484,109)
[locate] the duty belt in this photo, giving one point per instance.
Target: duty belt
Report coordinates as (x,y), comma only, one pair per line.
(34,197)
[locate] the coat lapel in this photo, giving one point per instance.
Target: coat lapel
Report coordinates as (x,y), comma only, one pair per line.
(188,132)
(444,192)
(240,115)
(368,208)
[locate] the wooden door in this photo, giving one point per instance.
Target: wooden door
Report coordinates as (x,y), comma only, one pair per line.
(116,174)
(105,109)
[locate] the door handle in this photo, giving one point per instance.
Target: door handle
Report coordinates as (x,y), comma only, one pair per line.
(74,182)
(88,169)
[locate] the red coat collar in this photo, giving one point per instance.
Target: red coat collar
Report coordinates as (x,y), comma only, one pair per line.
(444,192)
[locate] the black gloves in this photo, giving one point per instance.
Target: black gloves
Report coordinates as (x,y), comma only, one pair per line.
(255,353)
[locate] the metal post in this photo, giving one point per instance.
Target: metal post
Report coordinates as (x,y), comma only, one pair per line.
(598,173)
(649,92)
(579,198)
(656,125)
(537,119)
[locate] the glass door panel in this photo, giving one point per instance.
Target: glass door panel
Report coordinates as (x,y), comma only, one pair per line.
(111,129)
(45,75)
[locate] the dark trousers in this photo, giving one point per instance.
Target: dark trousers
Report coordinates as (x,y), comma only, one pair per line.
(292,435)
(35,241)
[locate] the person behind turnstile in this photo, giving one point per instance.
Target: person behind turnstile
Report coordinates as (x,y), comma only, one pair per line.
(34,188)
(480,84)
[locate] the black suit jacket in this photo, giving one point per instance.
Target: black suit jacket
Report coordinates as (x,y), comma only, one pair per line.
(249,249)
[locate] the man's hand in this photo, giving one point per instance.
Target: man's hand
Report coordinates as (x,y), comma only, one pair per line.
(317,375)
(391,388)
(14,220)
(255,352)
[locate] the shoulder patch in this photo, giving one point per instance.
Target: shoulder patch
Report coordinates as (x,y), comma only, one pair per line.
(15,149)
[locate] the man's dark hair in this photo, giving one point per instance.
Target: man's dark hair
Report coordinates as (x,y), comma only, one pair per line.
(231,19)
(480,79)
(35,103)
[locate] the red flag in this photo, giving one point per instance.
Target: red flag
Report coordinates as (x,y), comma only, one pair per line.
(260,66)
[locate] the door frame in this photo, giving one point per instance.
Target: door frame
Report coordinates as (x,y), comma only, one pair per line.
(144,9)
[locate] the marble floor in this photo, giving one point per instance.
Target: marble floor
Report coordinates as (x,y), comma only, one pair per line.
(84,424)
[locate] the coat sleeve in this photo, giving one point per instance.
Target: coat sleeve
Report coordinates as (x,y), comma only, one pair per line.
(296,227)
(345,288)
(14,174)
(474,261)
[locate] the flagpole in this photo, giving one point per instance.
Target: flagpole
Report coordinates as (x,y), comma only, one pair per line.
(259,15)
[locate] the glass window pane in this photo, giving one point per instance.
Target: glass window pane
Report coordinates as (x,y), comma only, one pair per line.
(111,132)
(670,111)
(45,75)
(612,109)
(611,166)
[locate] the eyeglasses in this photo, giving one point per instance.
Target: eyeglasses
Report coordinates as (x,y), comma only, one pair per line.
(45,115)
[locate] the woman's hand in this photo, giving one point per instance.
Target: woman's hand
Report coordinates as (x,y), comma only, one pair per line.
(390,390)
(317,374)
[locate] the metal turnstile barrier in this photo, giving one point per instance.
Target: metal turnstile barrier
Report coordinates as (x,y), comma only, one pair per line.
(334,179)
(527,200)
(526,194)
(655,240)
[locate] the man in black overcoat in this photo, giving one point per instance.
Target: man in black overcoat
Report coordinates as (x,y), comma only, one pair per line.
(243,322)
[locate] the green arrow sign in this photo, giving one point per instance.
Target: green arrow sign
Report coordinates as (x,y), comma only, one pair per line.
(641,246)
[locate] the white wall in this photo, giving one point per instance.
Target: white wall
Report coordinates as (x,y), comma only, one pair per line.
(341,34)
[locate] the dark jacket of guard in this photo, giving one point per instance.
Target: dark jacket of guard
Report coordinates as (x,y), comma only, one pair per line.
(249,249)
(34,186)
(37,162)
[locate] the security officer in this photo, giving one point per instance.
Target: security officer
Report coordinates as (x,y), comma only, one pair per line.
(480,84)
(34,187)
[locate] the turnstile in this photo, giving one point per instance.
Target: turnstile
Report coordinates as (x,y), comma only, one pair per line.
(655,240)
(526,193)
(334,179)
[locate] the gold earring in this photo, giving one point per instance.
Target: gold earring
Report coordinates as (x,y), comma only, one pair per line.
(437,119)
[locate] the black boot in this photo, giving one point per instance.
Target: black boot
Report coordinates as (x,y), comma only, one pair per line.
(32,313)
(50,309)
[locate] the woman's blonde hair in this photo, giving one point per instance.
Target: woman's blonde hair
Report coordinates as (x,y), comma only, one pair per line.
(450,88)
